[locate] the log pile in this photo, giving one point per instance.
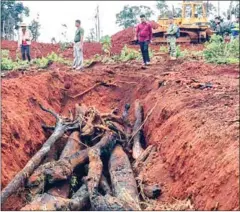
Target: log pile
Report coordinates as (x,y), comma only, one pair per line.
(104,152)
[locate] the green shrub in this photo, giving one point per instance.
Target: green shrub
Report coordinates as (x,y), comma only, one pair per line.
(219,52)
(6,62)
(41,62)
(106,44)
(163,49)
(180,53)
(56,58)
(129,54)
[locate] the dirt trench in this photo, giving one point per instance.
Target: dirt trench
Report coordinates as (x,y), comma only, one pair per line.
(196,130)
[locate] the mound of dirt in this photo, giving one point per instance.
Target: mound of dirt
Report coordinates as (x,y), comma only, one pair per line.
(121,38)
(196,130)
(39,50)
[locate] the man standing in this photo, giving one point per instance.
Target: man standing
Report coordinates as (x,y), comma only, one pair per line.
(24,41)
(78,46)
(172,37)
(235,29)
(144,37)
(219,27)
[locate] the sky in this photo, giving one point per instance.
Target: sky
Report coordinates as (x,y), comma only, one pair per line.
(52,14)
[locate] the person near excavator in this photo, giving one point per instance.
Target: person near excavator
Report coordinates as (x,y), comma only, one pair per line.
(78,46)
(144,37)
(172,38)
(219,29)
(24,41)
(235,29)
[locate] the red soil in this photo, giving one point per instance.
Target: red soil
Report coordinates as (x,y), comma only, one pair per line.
(119,39)
(43,49)
(196,131)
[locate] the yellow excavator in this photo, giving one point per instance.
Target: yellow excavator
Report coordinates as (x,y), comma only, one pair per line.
(194,25)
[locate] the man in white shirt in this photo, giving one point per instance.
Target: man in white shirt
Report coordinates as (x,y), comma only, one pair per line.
(24,41)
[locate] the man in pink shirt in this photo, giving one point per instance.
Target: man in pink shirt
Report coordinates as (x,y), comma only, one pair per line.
(144,37)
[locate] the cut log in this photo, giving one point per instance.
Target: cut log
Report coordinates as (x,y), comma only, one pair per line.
(52,155)
(48,202)
(61,127)
(60,191)
(139,163)
(73,145)
(106,144)
(122,178)
(62,169)
(99,202)
(80,198)
(127,129)
(95,170)
(137,147)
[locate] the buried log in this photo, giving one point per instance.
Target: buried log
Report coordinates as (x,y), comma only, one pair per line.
(124,185)
(62,125)
(63,168)
(73,145)
(48,202)
(60,190)
(140,162)
(99,202)
(137,147)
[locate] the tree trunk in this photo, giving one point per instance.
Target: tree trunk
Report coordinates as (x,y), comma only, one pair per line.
(56,197)
(123,182)
(139,163)
(48,202)
(35,161)
(137,147)
(73,145)
(62,169)
(106,144)
(19,180)
(99,202)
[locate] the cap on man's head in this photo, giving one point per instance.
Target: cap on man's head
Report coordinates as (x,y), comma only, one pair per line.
(23,25)
(170,17)
(142,16)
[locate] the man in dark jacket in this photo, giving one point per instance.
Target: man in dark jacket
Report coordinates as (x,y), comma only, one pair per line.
(144,37)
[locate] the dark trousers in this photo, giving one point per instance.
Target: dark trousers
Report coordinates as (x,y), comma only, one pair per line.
(25,50)
(144,50)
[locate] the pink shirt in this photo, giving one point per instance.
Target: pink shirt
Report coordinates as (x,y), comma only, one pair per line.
(144,32)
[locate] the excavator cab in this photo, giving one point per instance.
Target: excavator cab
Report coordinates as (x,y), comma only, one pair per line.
(194,13)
